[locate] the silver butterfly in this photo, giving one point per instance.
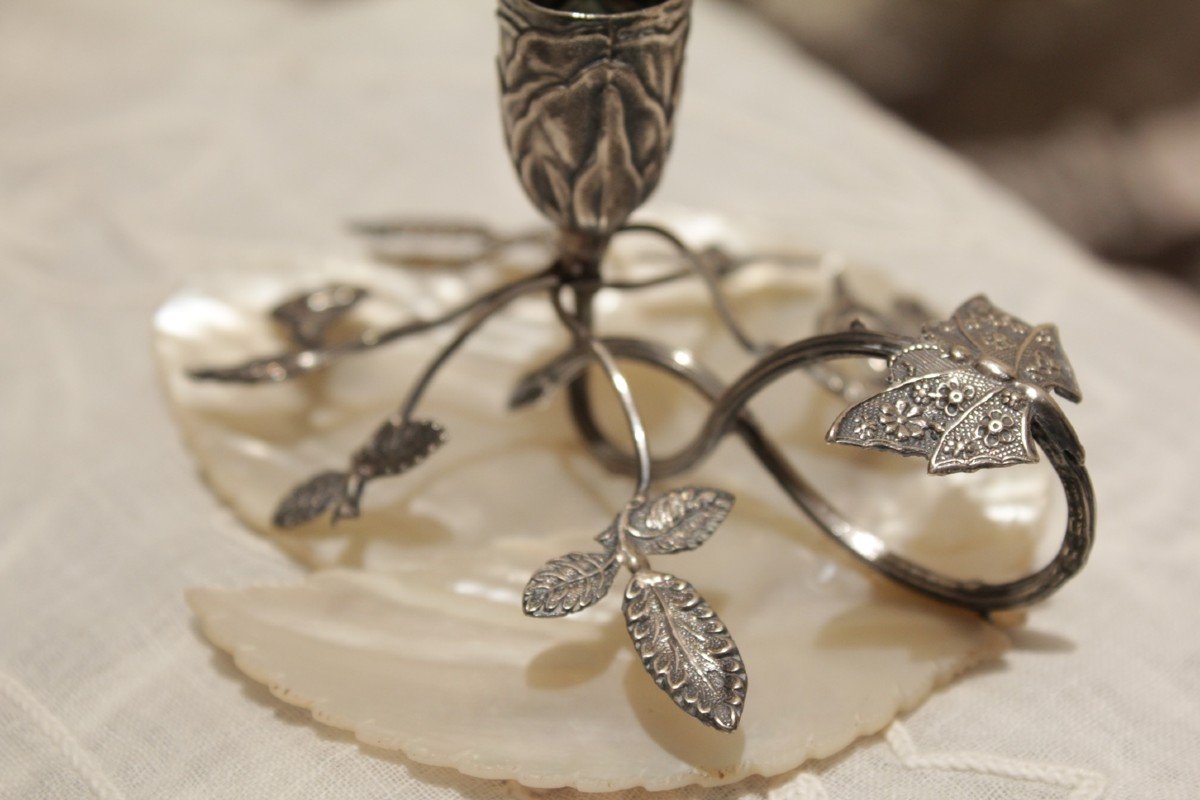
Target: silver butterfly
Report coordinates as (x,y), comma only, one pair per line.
(962,396)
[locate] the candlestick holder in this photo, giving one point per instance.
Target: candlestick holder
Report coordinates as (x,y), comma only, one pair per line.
(589,93)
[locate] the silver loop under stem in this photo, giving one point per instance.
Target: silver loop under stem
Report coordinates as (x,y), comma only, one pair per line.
(1050,429)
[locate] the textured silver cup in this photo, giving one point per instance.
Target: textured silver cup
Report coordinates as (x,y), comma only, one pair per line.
(588,100)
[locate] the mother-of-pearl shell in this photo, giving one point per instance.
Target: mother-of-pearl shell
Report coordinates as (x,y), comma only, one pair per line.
(410,631)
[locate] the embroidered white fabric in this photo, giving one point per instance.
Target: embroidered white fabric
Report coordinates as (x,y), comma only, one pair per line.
(143,140)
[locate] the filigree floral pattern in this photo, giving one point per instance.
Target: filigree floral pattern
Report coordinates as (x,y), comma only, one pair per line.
(998,428)
(963,397)
(903,419)
(952,396)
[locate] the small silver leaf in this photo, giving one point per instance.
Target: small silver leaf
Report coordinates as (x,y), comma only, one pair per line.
(529,390)
(569,584)
(273,369)
(608,538)
(397,447)
(310,499)
(686,648)
(309,315)
(538,384)
(681,519)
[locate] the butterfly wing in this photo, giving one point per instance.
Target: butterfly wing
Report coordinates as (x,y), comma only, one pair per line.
(912,417)
(1042,361)
(994,432)
(920,360)
(995,334)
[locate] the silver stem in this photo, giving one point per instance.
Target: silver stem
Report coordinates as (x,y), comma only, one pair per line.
(292,365)
(1050,429)
(637,430)
(495,302)
(711,281)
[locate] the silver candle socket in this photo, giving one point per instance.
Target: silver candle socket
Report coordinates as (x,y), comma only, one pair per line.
(588,100)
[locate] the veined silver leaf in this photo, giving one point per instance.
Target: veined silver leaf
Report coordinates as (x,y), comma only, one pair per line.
(681,519)
(686,648)
(569,584)
(310,499)
(397,447)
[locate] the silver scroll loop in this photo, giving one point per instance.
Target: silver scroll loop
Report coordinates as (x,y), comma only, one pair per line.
(728,414)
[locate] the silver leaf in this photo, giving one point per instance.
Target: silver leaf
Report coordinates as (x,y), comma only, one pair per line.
(308,316)
(397,447)
(686,648)
(569,584)
(609,537)
(271,369)
(310,499)
(681,519)
(536,385)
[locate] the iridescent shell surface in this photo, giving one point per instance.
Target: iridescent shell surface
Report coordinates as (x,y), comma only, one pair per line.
(409,629)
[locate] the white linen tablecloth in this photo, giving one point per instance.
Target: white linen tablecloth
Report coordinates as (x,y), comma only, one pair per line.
(143,141)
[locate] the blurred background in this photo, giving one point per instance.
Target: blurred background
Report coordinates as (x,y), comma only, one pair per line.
(1088,109)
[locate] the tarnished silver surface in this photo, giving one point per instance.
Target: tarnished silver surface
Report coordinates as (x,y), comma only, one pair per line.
(686,648)
(447,244)
(570,583)
(588,99)
(679,520)
(964,397)
(1001,344)
(311,499)
(400,443)
(1046,424)
(308,317)
(683,645)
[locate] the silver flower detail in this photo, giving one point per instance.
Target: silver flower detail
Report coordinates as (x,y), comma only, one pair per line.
(903,420)
(998,428)
(952,395)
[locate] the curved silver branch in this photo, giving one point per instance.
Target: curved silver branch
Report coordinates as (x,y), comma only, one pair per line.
(286,366)
(1050,429)
(711,279)
(448,244)
(483,312)
(637,430)
(721,264)
(728,404)
(400,442)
